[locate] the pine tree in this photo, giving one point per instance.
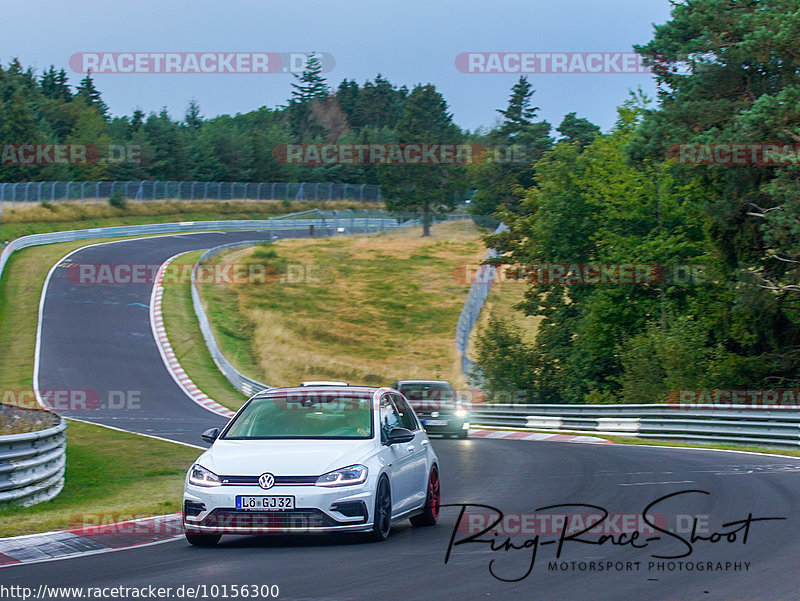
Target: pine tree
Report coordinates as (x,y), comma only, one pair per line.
(519,113)
(137,119)
(54,84)
(310,83)
(514,147)
(88,93)
(193,118)
(310,86)
(347,95)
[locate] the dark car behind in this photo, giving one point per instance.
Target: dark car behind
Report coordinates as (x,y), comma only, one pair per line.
(437,406)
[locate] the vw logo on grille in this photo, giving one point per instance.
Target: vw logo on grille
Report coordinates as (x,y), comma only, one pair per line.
(266,480)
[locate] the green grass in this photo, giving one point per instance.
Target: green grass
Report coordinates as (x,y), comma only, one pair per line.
(109,473)
(188,343)
(37,219)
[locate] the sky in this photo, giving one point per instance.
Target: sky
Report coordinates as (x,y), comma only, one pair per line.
(409,42)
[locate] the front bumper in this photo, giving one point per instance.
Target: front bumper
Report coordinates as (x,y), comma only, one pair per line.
(317,509)
(452,425)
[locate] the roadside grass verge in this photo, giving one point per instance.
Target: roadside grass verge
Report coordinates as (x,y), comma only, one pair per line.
(107,471)
(364,309)
(61,216)
(110,475)
(188,343)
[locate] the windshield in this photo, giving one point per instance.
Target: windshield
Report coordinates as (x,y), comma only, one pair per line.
(430,391)
(312,414)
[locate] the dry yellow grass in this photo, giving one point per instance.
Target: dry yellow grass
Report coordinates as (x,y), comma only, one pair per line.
(500,302)
(380,308)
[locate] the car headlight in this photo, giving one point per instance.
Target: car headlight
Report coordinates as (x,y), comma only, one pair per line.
(200,476)
(353,474)
(461,413)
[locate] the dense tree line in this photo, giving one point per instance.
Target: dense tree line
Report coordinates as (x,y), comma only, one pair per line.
(46,109)
(728,75)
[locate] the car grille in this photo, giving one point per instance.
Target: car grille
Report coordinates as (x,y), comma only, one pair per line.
(279,480)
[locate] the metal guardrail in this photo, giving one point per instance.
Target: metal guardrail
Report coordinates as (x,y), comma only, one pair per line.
(242,383)
(774,426)
(32,465)
(147,190)
(136,230)
(478,291)
(322,219)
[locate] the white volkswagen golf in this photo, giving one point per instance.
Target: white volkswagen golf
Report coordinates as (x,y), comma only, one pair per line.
(313,459)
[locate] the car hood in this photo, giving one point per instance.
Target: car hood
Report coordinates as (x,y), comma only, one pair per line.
(284,457)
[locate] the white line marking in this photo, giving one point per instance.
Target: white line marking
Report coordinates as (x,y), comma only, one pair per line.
(185,444)
(649,483)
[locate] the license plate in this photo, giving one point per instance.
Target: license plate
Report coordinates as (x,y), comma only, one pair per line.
(434,422)
(261,503)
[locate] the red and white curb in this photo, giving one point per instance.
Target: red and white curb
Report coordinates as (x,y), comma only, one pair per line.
(538,436)
(168,355)
(90,540)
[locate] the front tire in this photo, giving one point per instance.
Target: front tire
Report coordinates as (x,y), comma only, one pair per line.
(382,518)
(202,540)
(433,502)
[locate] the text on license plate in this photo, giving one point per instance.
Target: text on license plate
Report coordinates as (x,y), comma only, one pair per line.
(272,503)
(435,422)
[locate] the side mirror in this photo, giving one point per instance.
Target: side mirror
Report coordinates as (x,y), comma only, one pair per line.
(397,435)
(210,435)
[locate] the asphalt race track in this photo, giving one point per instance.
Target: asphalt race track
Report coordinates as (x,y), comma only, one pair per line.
(99,338)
